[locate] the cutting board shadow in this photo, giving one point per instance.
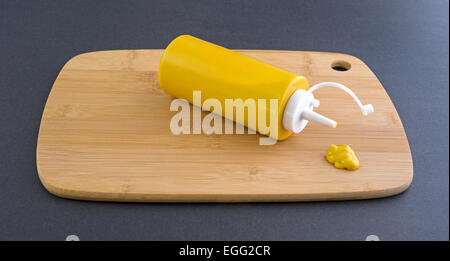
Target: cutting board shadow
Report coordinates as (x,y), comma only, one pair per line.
(105,136)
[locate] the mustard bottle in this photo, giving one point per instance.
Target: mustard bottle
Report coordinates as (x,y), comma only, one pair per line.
(190,64)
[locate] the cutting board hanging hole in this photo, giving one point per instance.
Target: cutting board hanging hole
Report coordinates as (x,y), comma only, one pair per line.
(341,66)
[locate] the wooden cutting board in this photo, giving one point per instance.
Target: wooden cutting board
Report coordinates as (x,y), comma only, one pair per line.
(105,136)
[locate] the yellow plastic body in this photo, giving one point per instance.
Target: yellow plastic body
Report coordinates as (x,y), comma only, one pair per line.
(342,157)
(190,64)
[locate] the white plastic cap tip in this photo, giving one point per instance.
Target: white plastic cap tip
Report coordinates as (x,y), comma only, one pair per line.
(367,109)
(314,116)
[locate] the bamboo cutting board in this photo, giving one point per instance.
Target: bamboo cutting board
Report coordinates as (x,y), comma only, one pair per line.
(105,136)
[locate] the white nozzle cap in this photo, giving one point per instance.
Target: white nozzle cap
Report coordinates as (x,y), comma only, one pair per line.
(367,109)
(299,108)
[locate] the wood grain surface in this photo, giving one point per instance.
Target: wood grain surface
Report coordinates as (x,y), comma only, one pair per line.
(105,135)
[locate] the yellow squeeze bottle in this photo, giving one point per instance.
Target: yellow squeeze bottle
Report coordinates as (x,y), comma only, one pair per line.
(190,64)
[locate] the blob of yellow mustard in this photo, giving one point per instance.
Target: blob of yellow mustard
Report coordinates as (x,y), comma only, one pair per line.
(342,157)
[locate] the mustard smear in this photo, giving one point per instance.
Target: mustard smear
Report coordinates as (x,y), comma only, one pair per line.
(342,157)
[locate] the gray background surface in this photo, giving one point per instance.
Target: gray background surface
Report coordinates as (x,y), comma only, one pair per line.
(404,42)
